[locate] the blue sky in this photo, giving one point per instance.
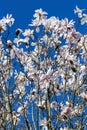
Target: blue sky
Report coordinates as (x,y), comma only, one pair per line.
(23,10)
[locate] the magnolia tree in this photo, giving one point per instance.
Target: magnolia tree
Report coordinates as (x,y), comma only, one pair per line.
(43,83)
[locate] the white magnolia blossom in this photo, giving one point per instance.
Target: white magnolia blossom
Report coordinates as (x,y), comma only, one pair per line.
(28,33)
(2,26)
(21,78)
(66,110)
(21,109)
(54,105)
(20,41)
(84,19)
(8,19)
(50,23)
(84,96)
(39,13)
(79,12)
(39,16)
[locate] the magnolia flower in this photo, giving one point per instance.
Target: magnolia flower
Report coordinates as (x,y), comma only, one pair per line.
(71,80)
(41,104)
(8,20)
(32,95)
(84,96)
(83,68)
(28,33)
(20,78)
(67,24)
(73,36)
(78,11)
(39,18)
(9,43)
(66,110)
(21,55)
(84,19)
(36,23)
(2,26)
(20,40)
(20,90)
(20,110)
(54,105)
(21,82)
(45,38)
(5,62)
(50,24)
(39,13)
(46,76)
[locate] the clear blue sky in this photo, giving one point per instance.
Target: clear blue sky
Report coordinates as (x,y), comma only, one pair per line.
(23,10)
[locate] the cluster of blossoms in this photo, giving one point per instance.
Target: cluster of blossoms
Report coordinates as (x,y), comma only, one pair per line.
(43,74)
(8,20)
